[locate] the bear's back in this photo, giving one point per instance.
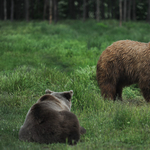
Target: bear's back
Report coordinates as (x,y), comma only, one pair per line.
(124,48)
(125,56)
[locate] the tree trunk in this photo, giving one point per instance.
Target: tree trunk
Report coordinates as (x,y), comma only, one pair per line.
(120,10)
(148,15)
(55,11)
(134,10)
(71,9)
(50,11)
(97,10)
(111,9)
(1,10)
(102,9)
(27,10)
(129,11)
(84,10)
(79,13)
(125,10)
(87,8)
(12,10)
(44,11)
(5,10)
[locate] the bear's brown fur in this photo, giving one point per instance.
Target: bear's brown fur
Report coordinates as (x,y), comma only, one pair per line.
(50,120)
(124,63)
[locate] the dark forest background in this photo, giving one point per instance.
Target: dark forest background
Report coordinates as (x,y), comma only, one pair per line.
(56,10)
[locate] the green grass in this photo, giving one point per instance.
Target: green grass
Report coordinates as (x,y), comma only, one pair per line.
(36,56)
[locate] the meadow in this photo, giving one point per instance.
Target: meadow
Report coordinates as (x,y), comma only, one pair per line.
(36,56)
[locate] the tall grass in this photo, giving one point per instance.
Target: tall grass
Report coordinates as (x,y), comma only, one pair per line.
(36,56)
(67,45)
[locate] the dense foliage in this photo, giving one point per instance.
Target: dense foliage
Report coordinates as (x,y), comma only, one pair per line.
(73,9)
(36,56)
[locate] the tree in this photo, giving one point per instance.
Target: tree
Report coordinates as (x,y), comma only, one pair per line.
(120,10)
(134,10)
(12,10)
(50,11)
(44,10)
(97,10)
(87,8)
(71,9)
(5,10)
(125,10)
(84,10)
(79,12)
(129,10)
(27,10)
(102,9)
(148,15)
(55,11)
(110,3)
(1,9)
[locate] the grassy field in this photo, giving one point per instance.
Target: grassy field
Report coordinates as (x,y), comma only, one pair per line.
(35,56)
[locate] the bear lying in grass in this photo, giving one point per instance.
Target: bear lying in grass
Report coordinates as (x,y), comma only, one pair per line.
(50,120)
(124,63)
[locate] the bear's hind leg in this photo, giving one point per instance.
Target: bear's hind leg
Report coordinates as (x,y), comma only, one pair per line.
(119,92)
(146,93)
(108,91)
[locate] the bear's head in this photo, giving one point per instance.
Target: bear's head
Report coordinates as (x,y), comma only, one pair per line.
(65,96)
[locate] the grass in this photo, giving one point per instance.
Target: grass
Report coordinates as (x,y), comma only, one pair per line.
(36,56)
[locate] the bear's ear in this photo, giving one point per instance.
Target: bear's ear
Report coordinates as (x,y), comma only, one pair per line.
(68,95)
(47,91)
(71,92)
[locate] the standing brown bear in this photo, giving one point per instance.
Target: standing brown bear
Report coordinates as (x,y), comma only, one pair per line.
(124,63)
(50,120)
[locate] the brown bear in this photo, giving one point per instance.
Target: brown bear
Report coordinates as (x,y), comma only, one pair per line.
(123,63)
(49,120)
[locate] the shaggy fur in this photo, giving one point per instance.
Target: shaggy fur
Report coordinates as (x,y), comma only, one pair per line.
(50,120)
(124,63)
